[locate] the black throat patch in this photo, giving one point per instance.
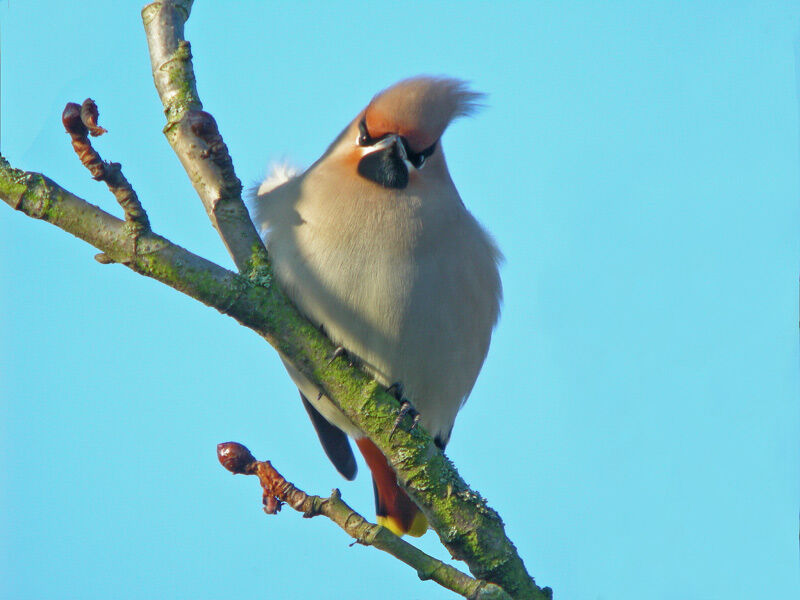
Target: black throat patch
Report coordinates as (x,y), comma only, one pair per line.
(385,167)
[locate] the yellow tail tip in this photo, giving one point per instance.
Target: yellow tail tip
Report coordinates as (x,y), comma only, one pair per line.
(418,526)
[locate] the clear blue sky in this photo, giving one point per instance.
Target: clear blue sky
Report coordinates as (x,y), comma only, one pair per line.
(636,422)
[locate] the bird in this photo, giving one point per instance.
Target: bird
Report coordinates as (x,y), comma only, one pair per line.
(373,244)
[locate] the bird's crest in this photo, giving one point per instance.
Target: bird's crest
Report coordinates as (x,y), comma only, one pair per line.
(420,109)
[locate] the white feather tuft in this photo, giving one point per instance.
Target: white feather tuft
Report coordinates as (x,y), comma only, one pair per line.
(279,174)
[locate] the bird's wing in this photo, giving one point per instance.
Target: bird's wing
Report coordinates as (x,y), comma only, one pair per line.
(334,441)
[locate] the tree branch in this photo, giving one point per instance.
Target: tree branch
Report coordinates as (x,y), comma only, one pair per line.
(471,530)
(194,136)
(79,121)
(238,460)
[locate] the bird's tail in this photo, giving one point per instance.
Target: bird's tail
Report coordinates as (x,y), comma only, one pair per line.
(395,510)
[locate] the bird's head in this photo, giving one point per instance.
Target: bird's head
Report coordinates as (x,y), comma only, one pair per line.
(398,134)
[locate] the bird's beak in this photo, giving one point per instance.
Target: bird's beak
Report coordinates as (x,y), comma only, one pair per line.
(386,163)
(388,142)
(396,141)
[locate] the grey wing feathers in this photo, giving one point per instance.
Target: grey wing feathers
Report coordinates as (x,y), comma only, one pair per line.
(334,441)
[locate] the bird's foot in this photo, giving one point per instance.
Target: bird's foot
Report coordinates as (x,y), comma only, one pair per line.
(406,408)
(396,390)
(339,351)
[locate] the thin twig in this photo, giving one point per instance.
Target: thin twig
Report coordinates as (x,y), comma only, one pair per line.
(276,491)
(80,120)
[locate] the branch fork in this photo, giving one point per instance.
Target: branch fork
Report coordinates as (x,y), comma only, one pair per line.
(80,121)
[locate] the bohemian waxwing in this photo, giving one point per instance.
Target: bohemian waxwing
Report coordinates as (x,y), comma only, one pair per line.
(374,244)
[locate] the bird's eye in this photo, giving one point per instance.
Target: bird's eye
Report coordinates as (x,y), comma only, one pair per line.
(364,138)
(418,158)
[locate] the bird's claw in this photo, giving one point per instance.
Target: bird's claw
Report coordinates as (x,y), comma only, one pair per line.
(396,390)
(406,408)
(339,351)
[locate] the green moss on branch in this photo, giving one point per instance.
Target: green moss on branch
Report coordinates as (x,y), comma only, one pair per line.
(470,529)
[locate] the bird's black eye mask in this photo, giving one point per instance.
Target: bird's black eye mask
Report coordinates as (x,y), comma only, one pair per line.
(415,158)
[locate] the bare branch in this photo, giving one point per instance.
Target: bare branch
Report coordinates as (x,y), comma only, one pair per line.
(238,460)
(80,120)
(79,132)
(467,526)
(471,530)
(194,136)
(41,198)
